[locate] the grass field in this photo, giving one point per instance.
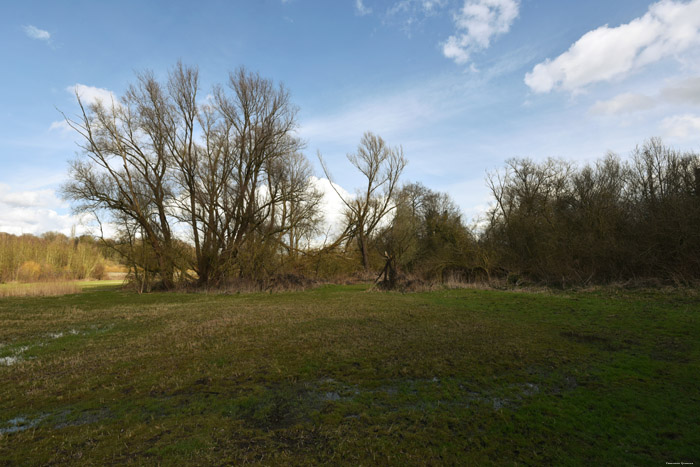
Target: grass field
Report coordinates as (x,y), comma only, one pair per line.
(343,376)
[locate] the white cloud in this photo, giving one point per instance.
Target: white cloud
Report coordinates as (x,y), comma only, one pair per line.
(427,7)
(35,212)
(681,126)
(28,199)
(389,115)
(91,95)
(60,125)
(409,13)
(36,33)
(478,22)
(668,29)
(623,104)
(331,206)
(431,5)
(684,92)
(361,8)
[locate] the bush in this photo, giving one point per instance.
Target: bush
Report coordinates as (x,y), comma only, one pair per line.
(99,272)
(29,271)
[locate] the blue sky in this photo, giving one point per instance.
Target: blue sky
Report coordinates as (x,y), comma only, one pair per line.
(462,85)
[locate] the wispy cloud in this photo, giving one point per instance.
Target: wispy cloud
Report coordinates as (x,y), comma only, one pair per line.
(681,126)
(683,92)
(668,29)
(361,8)
(36,33)
(390,115)
(59,125)
(408,13)
(477,23)
(623,104)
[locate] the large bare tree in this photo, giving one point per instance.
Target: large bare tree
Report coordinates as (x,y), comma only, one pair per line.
(381,167)
(227,170)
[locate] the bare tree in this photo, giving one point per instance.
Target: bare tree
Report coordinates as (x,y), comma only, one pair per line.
(229,170)
(125,168)
(381,166)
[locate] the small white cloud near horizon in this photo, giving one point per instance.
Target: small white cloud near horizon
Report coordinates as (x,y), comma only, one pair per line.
(36,212)
(92,95)
(361,8)
(681,126)
(477,23)
(623,104)
(35,33)
(668,29)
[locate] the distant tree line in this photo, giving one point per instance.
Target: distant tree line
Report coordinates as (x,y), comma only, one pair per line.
(212,190)
(612,221)
(52,256)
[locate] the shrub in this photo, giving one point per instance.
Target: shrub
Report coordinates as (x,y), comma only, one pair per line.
(29,271)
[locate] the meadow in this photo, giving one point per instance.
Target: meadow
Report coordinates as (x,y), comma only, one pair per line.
(343,375)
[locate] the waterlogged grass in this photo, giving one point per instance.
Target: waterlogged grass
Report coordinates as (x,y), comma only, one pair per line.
(344,376)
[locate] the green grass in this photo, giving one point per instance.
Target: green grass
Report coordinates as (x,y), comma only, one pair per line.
(343,376)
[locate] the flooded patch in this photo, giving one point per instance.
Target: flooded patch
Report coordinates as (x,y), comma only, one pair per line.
(59,419)
(18,424)
(9,361)
(423,394)
(14,357)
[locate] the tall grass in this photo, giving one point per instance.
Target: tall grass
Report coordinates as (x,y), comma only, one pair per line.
(51,257)
(38,289)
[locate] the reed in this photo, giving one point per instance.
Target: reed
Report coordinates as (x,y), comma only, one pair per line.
(38,289)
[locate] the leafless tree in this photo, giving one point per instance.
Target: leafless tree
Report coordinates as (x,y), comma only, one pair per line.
(228,170)
(381,166)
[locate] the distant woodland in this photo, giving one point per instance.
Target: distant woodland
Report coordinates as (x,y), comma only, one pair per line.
(217,191)
(52,256)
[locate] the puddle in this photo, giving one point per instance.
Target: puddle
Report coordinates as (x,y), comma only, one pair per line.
(11,360)
(16,355)
(18,424)
(421,394)
(56,420)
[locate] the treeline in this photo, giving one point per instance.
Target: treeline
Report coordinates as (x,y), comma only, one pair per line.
(555,223)
(52,256)
(612,221)
(219,191)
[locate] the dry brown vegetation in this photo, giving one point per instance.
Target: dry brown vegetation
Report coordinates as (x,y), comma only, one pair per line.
(51,257)
(38,289)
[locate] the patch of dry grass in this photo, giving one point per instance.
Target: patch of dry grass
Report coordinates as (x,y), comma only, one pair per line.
(38,289)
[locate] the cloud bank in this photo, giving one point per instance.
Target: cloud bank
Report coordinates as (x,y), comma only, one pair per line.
(35,212)
(623,104)
(668,29)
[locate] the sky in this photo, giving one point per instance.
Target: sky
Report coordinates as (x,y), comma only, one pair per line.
(461,85)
